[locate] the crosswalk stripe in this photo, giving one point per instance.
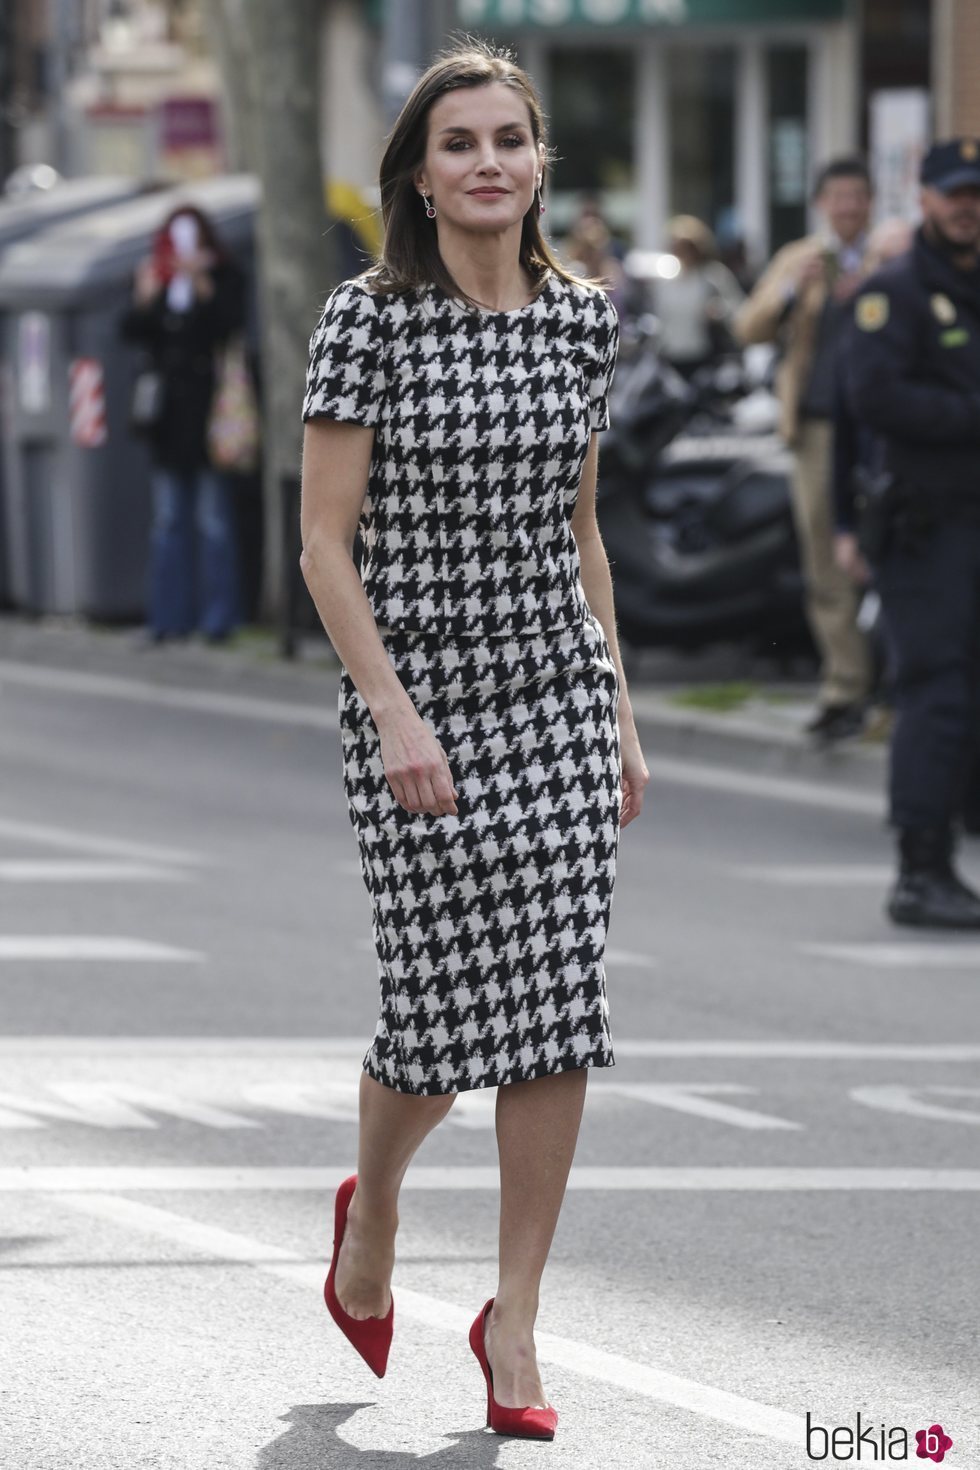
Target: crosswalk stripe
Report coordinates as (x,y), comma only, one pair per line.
(113,1178)
(99,846)
(52,870)
(202,701)
(948,956)
(687,1097)
(579,1357)
(628,1048)
(76,947)
(814,875)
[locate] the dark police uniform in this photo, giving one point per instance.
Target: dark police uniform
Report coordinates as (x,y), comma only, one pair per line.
(912,375)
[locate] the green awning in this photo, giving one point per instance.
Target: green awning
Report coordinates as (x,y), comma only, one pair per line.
(607,14)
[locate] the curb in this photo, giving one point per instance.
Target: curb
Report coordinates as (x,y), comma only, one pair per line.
(758,736)
(757,741)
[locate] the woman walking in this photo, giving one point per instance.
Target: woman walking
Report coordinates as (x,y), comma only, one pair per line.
(188,299)
(490,757)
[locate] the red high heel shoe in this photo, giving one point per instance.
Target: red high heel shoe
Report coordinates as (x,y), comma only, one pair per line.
(371,1336)
(525,1423)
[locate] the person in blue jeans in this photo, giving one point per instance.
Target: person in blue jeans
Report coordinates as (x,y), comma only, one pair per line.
(188,299)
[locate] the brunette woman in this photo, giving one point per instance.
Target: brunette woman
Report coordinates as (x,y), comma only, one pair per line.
(455,396)
(188,299)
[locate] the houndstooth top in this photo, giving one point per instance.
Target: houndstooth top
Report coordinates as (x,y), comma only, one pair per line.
(483,422)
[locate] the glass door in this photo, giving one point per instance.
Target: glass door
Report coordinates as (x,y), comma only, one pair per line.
(592,98)
(701,112)
(789,161)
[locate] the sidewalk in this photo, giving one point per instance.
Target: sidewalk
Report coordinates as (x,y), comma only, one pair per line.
(702,708)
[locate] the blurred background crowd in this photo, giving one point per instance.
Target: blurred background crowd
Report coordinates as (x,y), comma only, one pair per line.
(202,165)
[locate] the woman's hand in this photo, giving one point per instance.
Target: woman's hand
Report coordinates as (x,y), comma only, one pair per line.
(148,282)
(635,775)
(416,767)
(849,559)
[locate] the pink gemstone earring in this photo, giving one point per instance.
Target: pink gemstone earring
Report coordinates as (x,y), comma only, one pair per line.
(430,208)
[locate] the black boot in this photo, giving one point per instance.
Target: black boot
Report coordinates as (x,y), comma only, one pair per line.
(929,893)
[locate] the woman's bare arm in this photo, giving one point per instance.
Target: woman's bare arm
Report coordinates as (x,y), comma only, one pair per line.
(596,577)
(598,589)
(336,466)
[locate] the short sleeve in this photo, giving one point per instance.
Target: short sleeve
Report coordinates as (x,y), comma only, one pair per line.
(604,362)
(345,377)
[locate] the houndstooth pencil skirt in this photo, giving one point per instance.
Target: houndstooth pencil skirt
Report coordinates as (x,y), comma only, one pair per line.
(490,926)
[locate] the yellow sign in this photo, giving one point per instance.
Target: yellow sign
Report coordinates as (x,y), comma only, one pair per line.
(969,151)
(872,311)
(943,309)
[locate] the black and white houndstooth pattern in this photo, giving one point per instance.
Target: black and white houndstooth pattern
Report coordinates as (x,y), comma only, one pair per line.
(489,926)
(482,427)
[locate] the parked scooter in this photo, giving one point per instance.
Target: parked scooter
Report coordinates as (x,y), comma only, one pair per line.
(694,511)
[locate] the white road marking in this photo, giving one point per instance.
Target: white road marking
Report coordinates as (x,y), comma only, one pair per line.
(640,1378)
(202,701)
(680,772)
(355,1046)
(95,1105)
(896,1099)
(814,875)
(111,1179)
(89,842)
(630,957)
(53,870)
(75,947)
(682,1097)
(336,1101)
(950,956)
(772,788)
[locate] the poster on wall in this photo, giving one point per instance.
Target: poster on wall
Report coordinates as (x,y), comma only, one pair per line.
(899,136)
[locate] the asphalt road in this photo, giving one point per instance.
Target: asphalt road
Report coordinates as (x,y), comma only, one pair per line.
(772,1213)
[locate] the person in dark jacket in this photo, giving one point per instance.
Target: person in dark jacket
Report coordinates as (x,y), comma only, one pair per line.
(913,378)
(188,299)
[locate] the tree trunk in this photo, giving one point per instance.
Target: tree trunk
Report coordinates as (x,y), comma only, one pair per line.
(275,114)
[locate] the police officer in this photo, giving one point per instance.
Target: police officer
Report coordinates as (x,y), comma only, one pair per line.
(912,375)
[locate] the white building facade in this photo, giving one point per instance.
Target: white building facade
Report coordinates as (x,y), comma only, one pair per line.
(718,108)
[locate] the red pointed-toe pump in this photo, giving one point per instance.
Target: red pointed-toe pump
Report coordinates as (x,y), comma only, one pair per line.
(371,1336)
(526,1423)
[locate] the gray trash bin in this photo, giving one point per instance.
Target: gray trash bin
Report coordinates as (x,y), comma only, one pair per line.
(19,220)
(78,483)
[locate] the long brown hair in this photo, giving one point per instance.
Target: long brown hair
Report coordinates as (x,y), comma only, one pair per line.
(409,254)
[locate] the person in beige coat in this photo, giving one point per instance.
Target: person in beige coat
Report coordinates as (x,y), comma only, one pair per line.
(801,302)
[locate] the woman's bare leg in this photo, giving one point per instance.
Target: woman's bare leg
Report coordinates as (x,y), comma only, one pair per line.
(537,1130)
(392,1125)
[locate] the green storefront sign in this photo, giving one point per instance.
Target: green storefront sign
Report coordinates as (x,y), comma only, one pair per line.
(551,13)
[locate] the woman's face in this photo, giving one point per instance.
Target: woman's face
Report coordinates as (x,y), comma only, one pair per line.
(480,138)
(184,234)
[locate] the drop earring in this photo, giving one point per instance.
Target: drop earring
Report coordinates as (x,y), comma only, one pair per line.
(430,208)
(540,200)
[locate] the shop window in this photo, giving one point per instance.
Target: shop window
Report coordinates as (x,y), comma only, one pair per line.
(592,108)
(789,160)
(701,103)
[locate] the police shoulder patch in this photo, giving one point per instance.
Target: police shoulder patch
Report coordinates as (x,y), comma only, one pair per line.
(872,311)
